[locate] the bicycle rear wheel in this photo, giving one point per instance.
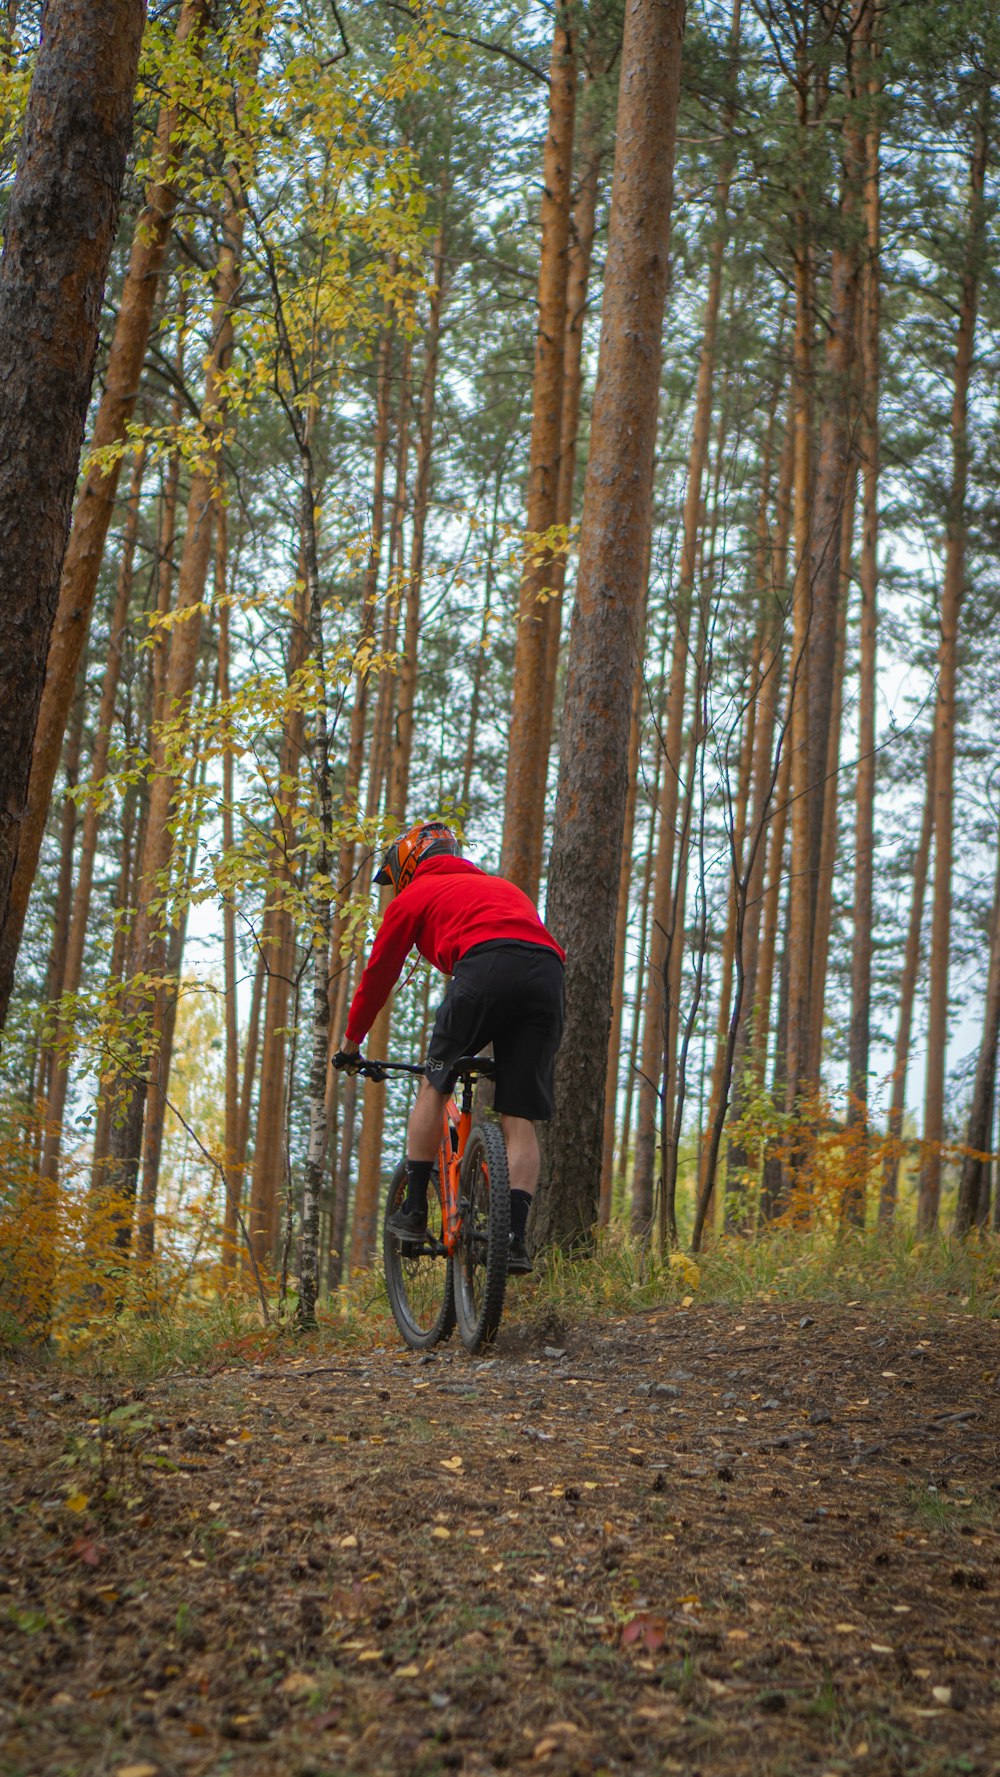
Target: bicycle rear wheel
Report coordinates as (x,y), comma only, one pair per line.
(480,1264)
(418,1278)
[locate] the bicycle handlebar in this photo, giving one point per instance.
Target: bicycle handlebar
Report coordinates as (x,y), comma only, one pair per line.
(380,1070)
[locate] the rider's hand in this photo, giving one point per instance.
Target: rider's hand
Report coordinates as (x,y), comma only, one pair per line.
(347,1056)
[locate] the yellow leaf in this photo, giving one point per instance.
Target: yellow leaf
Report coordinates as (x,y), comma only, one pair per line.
(77,1502)
(348,1542)
(452,1462)
(440,1532)
(297,1684)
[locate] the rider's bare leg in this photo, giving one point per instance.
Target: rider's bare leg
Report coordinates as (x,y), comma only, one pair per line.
(523,1157)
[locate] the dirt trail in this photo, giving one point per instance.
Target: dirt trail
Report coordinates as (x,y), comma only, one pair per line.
(693,1541)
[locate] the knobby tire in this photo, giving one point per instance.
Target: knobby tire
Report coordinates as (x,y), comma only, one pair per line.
(419,1282)
(480,1261)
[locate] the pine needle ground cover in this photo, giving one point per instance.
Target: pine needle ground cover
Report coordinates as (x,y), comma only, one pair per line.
(732,1539)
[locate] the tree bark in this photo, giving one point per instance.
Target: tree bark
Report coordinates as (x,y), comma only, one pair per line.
(80,912)
(60,230)
(399,777)
(527,754)
(944,728)
(973,1190)
(95,501)
(859,1035)
(621,935)
(148,940)
(614,539)
(907,995)
(653,1036)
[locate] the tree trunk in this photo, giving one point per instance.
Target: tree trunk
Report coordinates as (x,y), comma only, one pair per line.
(859,1035)
(232,1171)
(907,995)
(621,935)
(581,247)
(60,229)
(771,575)
(614,540)
(944,727)
(527,749)
(148,935)
(652,1041)
(823,908)
(399,780)
(827,584)
(974,1183)
(315,1163)
(79,920)
(645,903)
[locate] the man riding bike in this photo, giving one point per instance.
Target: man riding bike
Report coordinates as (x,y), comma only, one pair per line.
(506,988)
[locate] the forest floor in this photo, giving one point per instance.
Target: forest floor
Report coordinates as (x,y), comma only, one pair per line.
(695,1540)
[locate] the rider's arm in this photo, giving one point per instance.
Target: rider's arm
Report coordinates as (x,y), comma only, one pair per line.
(389,952)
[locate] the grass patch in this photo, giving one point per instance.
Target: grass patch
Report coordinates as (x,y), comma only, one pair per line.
(620,1277)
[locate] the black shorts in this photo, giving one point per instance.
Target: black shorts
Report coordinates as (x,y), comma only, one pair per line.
(510,995)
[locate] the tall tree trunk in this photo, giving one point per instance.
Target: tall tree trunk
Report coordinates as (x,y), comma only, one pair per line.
(827,583)
(527,751)
(973,1190)
(771,575)
(148,936)
(614,540)
(581,246)
(60,229)
(944,727)
(95,500)
(621,935)
(645,904)
(652,1041)
(232,1171)
(79,919)
(315,1162)
(859,1035)
(399,778)
(366,1196)
(907,995)
(826,866)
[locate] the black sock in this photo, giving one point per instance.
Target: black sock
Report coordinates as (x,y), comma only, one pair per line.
(418,1177)
(520,1204)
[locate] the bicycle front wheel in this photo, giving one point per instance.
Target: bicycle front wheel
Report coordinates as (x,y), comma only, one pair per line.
(480,1264)
(418,1276)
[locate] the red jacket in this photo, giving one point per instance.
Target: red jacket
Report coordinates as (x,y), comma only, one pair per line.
(449,906)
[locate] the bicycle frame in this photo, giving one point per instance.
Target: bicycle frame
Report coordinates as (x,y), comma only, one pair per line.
(450,1154)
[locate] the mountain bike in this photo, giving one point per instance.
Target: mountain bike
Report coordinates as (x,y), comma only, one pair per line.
(458,1272)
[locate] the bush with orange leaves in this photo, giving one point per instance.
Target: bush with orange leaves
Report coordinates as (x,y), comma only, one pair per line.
(67,1266)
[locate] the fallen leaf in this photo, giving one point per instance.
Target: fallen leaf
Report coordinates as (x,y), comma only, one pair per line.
(645,1631)
(78,1502)
(298,1684)
(441,1532)
(138,1771)
(845,1628)
(329,1719)
(454,1463)
(90,1553)
(348,1542)
(941,1693)
(410,1671)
